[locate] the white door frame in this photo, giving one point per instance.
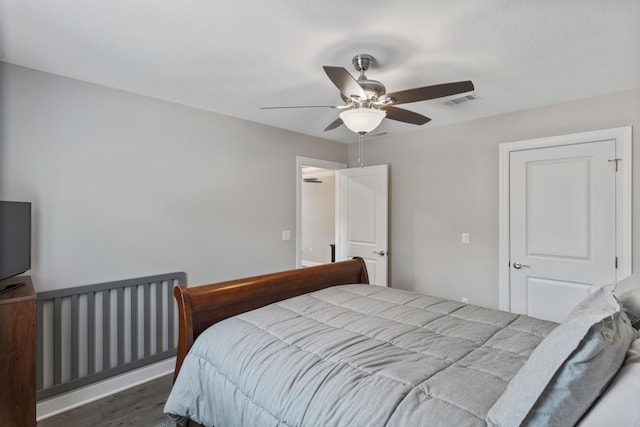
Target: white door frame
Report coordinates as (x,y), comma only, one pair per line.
(623,138)
(325,164)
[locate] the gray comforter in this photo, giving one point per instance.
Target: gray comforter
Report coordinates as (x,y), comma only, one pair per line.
(354,355)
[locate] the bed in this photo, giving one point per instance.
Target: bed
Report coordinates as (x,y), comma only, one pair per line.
(320,347)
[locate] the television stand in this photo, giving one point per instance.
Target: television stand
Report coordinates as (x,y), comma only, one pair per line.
(18,353)
(9,287)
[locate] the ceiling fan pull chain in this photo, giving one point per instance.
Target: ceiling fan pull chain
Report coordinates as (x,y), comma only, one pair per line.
(361,149)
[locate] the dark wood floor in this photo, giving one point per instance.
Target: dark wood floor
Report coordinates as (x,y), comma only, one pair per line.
(137,406)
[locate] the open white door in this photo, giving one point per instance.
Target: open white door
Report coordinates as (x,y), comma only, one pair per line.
(362,211)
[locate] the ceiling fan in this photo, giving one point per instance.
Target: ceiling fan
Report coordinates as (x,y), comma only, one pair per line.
(367,103)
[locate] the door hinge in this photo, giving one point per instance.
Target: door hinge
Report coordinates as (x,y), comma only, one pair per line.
(616,162)
(616,262)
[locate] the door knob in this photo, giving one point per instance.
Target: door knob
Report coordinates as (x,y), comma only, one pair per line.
(381,253)
(518,266)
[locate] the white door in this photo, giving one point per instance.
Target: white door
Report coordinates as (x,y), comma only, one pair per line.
(362,211)
(562,226)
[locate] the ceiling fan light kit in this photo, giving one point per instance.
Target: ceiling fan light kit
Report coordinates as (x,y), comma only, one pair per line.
(367,103)
(362,120)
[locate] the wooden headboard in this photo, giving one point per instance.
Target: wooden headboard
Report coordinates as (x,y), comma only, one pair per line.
(202,306)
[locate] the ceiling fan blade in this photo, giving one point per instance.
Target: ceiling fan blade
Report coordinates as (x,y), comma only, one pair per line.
(346,84)
(406,116)
(303,106)
(334,124)
(429,92)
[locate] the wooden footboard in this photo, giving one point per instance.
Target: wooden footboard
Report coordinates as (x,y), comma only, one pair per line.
(202,306)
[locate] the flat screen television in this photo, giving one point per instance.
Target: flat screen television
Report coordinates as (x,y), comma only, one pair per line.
(15,238)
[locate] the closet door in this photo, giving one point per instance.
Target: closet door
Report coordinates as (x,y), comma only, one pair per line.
(562,226)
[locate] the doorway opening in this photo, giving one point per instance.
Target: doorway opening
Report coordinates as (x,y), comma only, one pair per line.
(315,211)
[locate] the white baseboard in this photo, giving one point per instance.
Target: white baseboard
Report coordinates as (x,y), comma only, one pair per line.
(84,395)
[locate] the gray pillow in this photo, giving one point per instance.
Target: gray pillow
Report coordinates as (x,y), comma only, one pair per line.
(570,368)
(620,401)
(627,292)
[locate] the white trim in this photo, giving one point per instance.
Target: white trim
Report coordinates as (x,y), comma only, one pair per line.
(503,229)
(325,164)
(623,138)
(624,198)
(73,399)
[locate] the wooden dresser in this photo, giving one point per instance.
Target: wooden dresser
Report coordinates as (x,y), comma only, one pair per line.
(18,354)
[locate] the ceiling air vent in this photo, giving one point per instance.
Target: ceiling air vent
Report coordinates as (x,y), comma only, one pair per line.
(461,99)
(376,135)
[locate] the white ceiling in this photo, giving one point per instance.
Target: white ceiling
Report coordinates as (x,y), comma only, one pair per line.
(232,57)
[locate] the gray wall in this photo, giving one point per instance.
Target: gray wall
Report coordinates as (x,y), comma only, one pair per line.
(124,185)
(444,181)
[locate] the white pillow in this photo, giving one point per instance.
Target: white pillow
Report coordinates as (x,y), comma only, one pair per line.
(628,293)
(570,368)
(619,402)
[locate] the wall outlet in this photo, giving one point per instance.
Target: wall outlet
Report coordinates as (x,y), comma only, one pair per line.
(464,300)
(465,238)
(286,235)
